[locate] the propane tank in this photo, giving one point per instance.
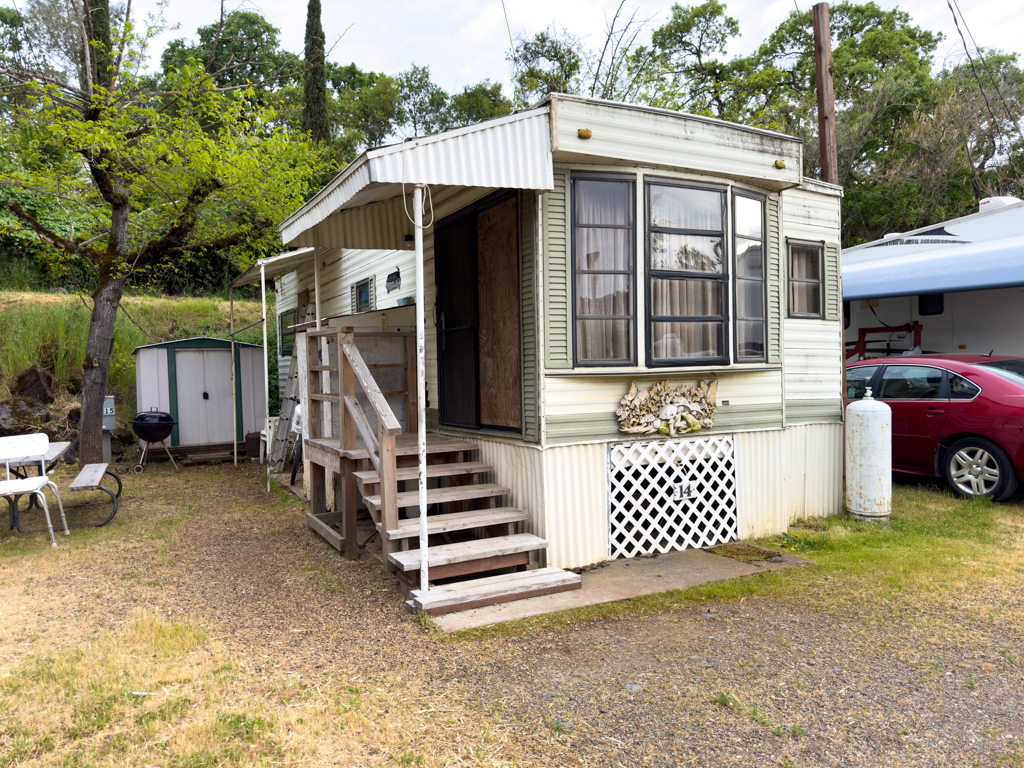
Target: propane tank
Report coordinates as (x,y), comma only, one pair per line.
(869,458)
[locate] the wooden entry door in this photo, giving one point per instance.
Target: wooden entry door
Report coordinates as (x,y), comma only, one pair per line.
(477,276)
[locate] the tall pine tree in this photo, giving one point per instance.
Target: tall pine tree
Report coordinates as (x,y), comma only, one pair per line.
(314,81)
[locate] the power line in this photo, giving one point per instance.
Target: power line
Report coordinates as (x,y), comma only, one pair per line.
(507,27)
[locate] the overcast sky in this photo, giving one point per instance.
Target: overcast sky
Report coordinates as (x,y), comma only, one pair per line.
(465,41)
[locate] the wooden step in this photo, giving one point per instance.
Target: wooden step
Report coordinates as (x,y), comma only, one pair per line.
(442,495)
(464,551)
(457,521)
(372,477)
(406,445)
(490,590)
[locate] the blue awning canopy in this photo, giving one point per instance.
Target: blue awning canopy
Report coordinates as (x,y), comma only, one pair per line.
(969,267)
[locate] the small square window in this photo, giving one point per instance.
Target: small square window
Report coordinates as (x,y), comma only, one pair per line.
(930,304)
(805,279)
(362,296)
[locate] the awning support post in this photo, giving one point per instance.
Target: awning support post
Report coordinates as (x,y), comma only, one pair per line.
(421,385)
(266,369)
(234,404)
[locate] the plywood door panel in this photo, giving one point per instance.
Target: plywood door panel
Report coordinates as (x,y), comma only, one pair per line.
(219,416)
(498,279)
(192,408)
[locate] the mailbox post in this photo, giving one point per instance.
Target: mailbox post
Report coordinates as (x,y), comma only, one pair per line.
(108,425)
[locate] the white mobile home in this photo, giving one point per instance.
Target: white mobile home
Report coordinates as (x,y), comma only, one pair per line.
(957,284)
(571,250)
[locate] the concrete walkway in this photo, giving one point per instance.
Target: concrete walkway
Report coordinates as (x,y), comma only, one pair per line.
(620,580)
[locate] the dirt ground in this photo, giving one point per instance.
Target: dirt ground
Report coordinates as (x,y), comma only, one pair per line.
(760,682)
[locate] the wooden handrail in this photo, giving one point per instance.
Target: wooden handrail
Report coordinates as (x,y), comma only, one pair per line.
(363,428)
(385,416)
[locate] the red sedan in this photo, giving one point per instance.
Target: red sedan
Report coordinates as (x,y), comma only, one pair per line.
(956,416)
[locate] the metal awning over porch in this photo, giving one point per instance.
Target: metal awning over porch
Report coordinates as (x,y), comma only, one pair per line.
(369,204)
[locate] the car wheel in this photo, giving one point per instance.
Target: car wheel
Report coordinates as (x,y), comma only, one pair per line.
(976,467)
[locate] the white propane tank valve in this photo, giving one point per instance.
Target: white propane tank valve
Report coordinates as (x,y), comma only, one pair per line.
(869,458)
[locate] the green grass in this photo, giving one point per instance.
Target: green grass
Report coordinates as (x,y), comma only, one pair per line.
(935,546)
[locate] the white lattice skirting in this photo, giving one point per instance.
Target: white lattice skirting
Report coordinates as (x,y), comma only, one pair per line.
(669,495)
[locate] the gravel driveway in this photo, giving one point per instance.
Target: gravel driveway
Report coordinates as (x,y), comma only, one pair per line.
(758,682)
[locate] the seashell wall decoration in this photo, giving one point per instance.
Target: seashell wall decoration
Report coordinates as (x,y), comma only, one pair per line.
(666,410)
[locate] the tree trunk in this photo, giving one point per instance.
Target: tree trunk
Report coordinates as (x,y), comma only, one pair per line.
(97,361)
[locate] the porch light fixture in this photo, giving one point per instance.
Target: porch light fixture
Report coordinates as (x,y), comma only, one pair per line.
(584,133)
(780,164)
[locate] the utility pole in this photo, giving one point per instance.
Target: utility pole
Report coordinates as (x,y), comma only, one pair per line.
(826,94)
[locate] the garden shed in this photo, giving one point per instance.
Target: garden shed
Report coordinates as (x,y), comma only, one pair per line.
(191,379)
(573,263)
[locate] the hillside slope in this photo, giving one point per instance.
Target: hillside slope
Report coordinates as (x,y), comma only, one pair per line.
(52,330)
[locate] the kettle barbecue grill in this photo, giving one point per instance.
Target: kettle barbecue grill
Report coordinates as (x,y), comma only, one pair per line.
(152,427)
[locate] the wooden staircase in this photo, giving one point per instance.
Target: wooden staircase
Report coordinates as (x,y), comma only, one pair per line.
(473,538)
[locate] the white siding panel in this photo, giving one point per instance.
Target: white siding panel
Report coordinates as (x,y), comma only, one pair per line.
(152,388)
(669,140)
(571,395)
(576,505)
(788,474)
(810,215)
(812,359)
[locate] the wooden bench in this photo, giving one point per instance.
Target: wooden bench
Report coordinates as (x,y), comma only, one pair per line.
(90,478)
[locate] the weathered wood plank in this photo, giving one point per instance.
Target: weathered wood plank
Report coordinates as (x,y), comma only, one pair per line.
(411,385)
(89,478)
(384,413)
(409,528)
(498,562)
(315,454)
(324,398)
(349,502)
(444,495)
(491,590)
(330,535)
(362,426)
(433,470)
(461,551)
(405,445)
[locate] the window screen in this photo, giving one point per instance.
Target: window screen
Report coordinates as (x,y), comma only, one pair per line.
(286,331)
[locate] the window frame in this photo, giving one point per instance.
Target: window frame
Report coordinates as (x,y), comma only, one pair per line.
(630,179)
(369,296)
(820,245)
(763,200)
(651,274)
(283,333)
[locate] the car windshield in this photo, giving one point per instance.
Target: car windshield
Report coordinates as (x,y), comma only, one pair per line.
(1011,370)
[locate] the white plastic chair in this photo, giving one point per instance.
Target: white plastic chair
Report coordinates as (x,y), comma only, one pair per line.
(17,447)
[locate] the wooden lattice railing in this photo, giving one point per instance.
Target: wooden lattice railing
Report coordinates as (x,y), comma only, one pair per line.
(345,361)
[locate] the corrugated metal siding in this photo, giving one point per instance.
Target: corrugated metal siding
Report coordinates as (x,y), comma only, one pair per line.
(513,152)
(528,315)
(813,360)
(557,274)
(808,214)
(774,281)
(785,475)
(673,141)
(833,290)
(575,517)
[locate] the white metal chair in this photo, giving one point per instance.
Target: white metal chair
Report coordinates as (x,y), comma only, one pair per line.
(20,446)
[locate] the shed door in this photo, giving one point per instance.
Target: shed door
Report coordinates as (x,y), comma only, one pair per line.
(204,396)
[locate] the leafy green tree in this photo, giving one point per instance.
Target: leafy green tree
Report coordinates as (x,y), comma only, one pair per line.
(242,48)
(425,105)
(551,61)
(315,118)
(479,102)
(153,184)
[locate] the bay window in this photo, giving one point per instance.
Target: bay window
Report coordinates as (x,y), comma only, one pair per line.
(687,274)
(603,269)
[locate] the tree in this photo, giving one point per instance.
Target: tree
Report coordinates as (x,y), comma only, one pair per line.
(479,102)
(424,105)
(314,80)
(155,183)
(551,61)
